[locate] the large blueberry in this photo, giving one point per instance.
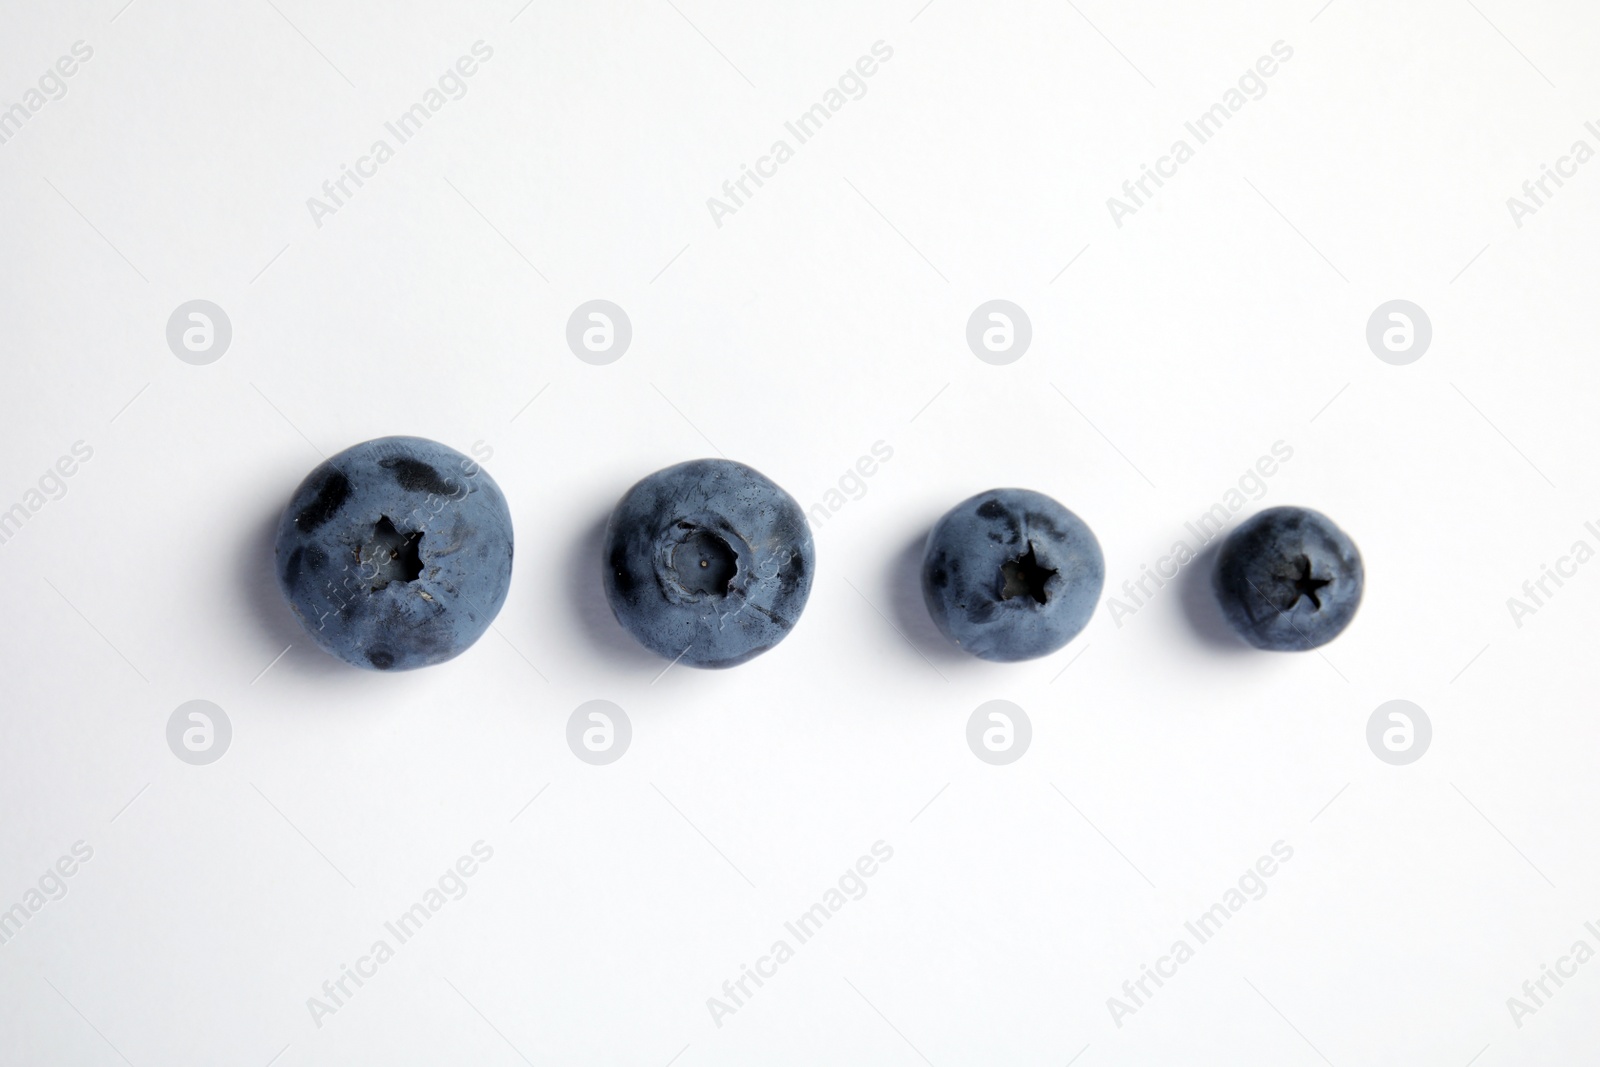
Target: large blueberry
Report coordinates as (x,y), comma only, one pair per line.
(1288,579)
(396,553)
(1011,574)
(708,561)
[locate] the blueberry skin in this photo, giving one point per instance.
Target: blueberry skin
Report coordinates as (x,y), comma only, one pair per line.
(1288,579)
(395,553)
(1011,575)
(709,561)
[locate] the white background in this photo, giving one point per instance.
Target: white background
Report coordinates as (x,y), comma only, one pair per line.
(826,315)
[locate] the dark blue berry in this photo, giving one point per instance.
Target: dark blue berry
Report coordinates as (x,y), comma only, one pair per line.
(396,553)
(1011,574)
(708,562)
(1288,579)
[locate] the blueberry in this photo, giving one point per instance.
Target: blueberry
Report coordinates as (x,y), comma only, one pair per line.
(708,561)
(1011,574)
(396,553)
(1288,579)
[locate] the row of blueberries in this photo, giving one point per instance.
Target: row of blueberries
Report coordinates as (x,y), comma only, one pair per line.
(396,554)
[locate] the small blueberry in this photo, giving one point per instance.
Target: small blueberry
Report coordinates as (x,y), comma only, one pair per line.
(1011,574)
(1288,579)
(395,553)
(707,561)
